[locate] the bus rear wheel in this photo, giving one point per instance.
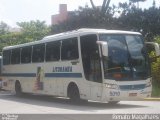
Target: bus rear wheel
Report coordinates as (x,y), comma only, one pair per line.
(18,89)
(113,102)
(73,94)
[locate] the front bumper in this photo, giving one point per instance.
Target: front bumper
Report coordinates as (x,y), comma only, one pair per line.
(127,95)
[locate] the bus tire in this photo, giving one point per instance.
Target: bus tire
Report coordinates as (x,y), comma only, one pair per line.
(18,89)
(73,93)
(113,102)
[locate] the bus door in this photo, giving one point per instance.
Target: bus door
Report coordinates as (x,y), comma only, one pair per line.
(91,65)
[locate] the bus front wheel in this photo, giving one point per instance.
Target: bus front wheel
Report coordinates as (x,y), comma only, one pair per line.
(18,89)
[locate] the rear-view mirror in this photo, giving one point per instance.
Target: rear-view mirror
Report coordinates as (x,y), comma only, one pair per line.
(104,47)
(152,46)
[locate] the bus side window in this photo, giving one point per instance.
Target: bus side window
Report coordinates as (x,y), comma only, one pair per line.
(53,51)
(70,49)
(38,53)
(15,57)
(90,58)
(26,54)
(6,57)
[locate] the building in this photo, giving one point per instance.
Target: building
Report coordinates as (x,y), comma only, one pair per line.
(62,16)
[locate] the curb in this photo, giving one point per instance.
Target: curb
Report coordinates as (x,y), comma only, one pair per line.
(152,99)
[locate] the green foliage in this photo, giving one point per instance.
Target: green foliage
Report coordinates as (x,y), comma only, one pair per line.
(3,28)
(156,65)
(85,18)
(33,30)
(29,31)
(157,39)
(144,20)
(124,17)
(155,69)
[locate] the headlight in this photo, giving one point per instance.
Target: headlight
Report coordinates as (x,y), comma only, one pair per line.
(111,86)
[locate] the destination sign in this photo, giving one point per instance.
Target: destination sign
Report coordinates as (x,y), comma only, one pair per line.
(62,69)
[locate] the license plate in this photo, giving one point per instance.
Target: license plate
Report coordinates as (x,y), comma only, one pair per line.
(132,94)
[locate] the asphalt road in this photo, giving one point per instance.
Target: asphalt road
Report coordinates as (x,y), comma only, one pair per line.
(64,110)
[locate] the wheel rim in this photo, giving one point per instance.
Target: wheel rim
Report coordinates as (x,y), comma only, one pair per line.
(74,94)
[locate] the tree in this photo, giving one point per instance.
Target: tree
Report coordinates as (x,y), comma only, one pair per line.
(85,18)
(30,31)
(137,1)
(145,21)
(4,28)
(130,17)
(33,30)
(104,7)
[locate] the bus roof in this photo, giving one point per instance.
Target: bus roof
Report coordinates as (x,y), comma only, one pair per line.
(68,34)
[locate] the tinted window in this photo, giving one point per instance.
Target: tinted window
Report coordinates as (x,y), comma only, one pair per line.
(70,49)
(53,51)
(6,57)
(38,53)
(26,54)
(15,58)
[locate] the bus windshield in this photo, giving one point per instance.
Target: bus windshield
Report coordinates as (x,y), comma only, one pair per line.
(127,57)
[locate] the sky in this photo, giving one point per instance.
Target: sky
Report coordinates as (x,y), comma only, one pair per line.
(12,11)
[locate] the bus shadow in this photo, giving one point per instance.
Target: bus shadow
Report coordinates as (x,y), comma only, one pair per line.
(49,101)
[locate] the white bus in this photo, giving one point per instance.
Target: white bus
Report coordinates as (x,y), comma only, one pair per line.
(89,64)
(0,72)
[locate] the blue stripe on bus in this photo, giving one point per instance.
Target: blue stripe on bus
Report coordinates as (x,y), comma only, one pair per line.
(67,75)
(132,87)
(19,74)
